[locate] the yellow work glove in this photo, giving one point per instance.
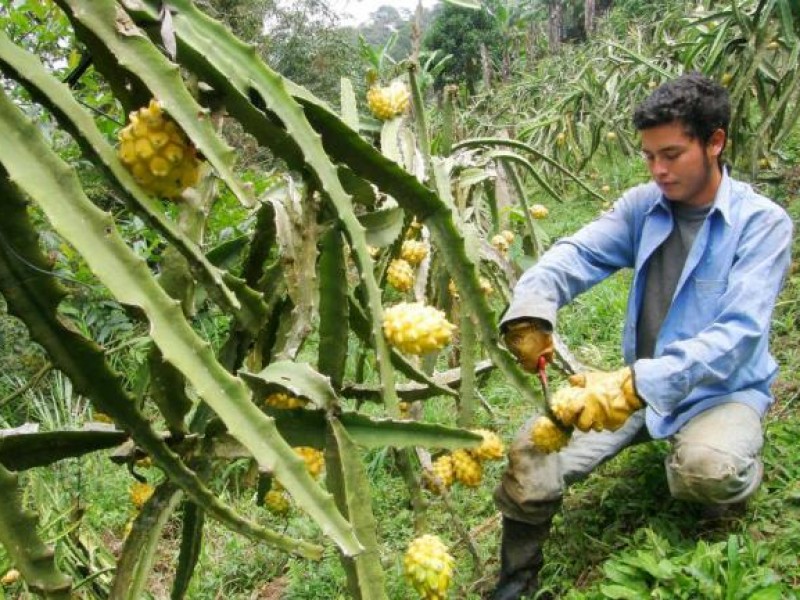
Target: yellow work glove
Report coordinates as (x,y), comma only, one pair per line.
(597,400)
(527,341)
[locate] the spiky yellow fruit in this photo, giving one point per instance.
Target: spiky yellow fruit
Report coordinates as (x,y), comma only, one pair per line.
(140,493)
(443,470)
(491,448)
(400,275)
(466,468)
(276,502)
(611,136)
(500,243)
(11,577)
(428,567)
(546,436)
(605,189)
(763,163)
(415,328)
(314,459)
(373,251)
(509,235)
(773,45)
(538,211)
(388,102)
(284,401)
(413,252)
(726,78)
(157,153)
(560,139)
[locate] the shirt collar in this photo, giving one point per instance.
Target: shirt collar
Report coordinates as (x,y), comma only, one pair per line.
(722,199)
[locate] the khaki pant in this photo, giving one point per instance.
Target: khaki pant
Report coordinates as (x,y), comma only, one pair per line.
(714,460)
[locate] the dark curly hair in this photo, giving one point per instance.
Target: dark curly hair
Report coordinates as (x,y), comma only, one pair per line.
(699,103)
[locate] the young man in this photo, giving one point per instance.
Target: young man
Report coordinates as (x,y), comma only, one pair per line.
(709,256)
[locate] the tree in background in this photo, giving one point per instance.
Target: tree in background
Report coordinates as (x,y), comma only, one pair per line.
(301,39)
(463,33)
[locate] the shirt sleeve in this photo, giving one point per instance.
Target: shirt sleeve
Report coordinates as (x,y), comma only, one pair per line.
(716,352)
(576,263)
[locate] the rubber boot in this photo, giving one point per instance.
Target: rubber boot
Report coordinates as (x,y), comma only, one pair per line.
(521,559)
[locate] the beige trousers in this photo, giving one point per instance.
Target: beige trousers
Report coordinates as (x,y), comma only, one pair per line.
(714,460)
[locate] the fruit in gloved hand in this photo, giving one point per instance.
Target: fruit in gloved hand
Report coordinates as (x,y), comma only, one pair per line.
(428,567)
(388,102)
(415,328)
(491,448)
(157,153)
(546,436)
(400,275)
(527,341)
(466,468)
(597,400)
(414,252)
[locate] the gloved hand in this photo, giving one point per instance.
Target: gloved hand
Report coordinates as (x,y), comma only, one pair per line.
(597,400)
(527,341)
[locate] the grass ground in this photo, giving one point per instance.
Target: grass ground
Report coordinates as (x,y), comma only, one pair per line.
(620,534)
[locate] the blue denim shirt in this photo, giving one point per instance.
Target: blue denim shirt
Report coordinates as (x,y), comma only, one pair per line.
(713,343)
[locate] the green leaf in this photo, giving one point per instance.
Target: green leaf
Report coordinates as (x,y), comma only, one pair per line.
(347,479)
(18,534)
(22,451)
(299,379)
(139,551)
(333,308)
(383,227)
(349,107)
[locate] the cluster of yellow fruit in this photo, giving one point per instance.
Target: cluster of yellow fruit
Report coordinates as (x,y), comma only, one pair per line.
(285,401)
(276,499)
(466,466)
(157,153)
(416,328)
(428,567)
(388,102)
(140,493)
(538,211)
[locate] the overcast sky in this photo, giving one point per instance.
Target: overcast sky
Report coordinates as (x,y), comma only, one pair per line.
(354,12)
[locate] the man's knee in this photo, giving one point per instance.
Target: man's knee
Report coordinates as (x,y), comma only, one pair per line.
(702,473)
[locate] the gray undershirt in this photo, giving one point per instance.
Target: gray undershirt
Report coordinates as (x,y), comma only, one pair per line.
(663,271)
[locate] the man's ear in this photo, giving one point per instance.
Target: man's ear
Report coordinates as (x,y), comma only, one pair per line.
(716,143)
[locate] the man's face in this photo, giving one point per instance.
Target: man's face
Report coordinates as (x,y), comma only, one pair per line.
(683,168)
